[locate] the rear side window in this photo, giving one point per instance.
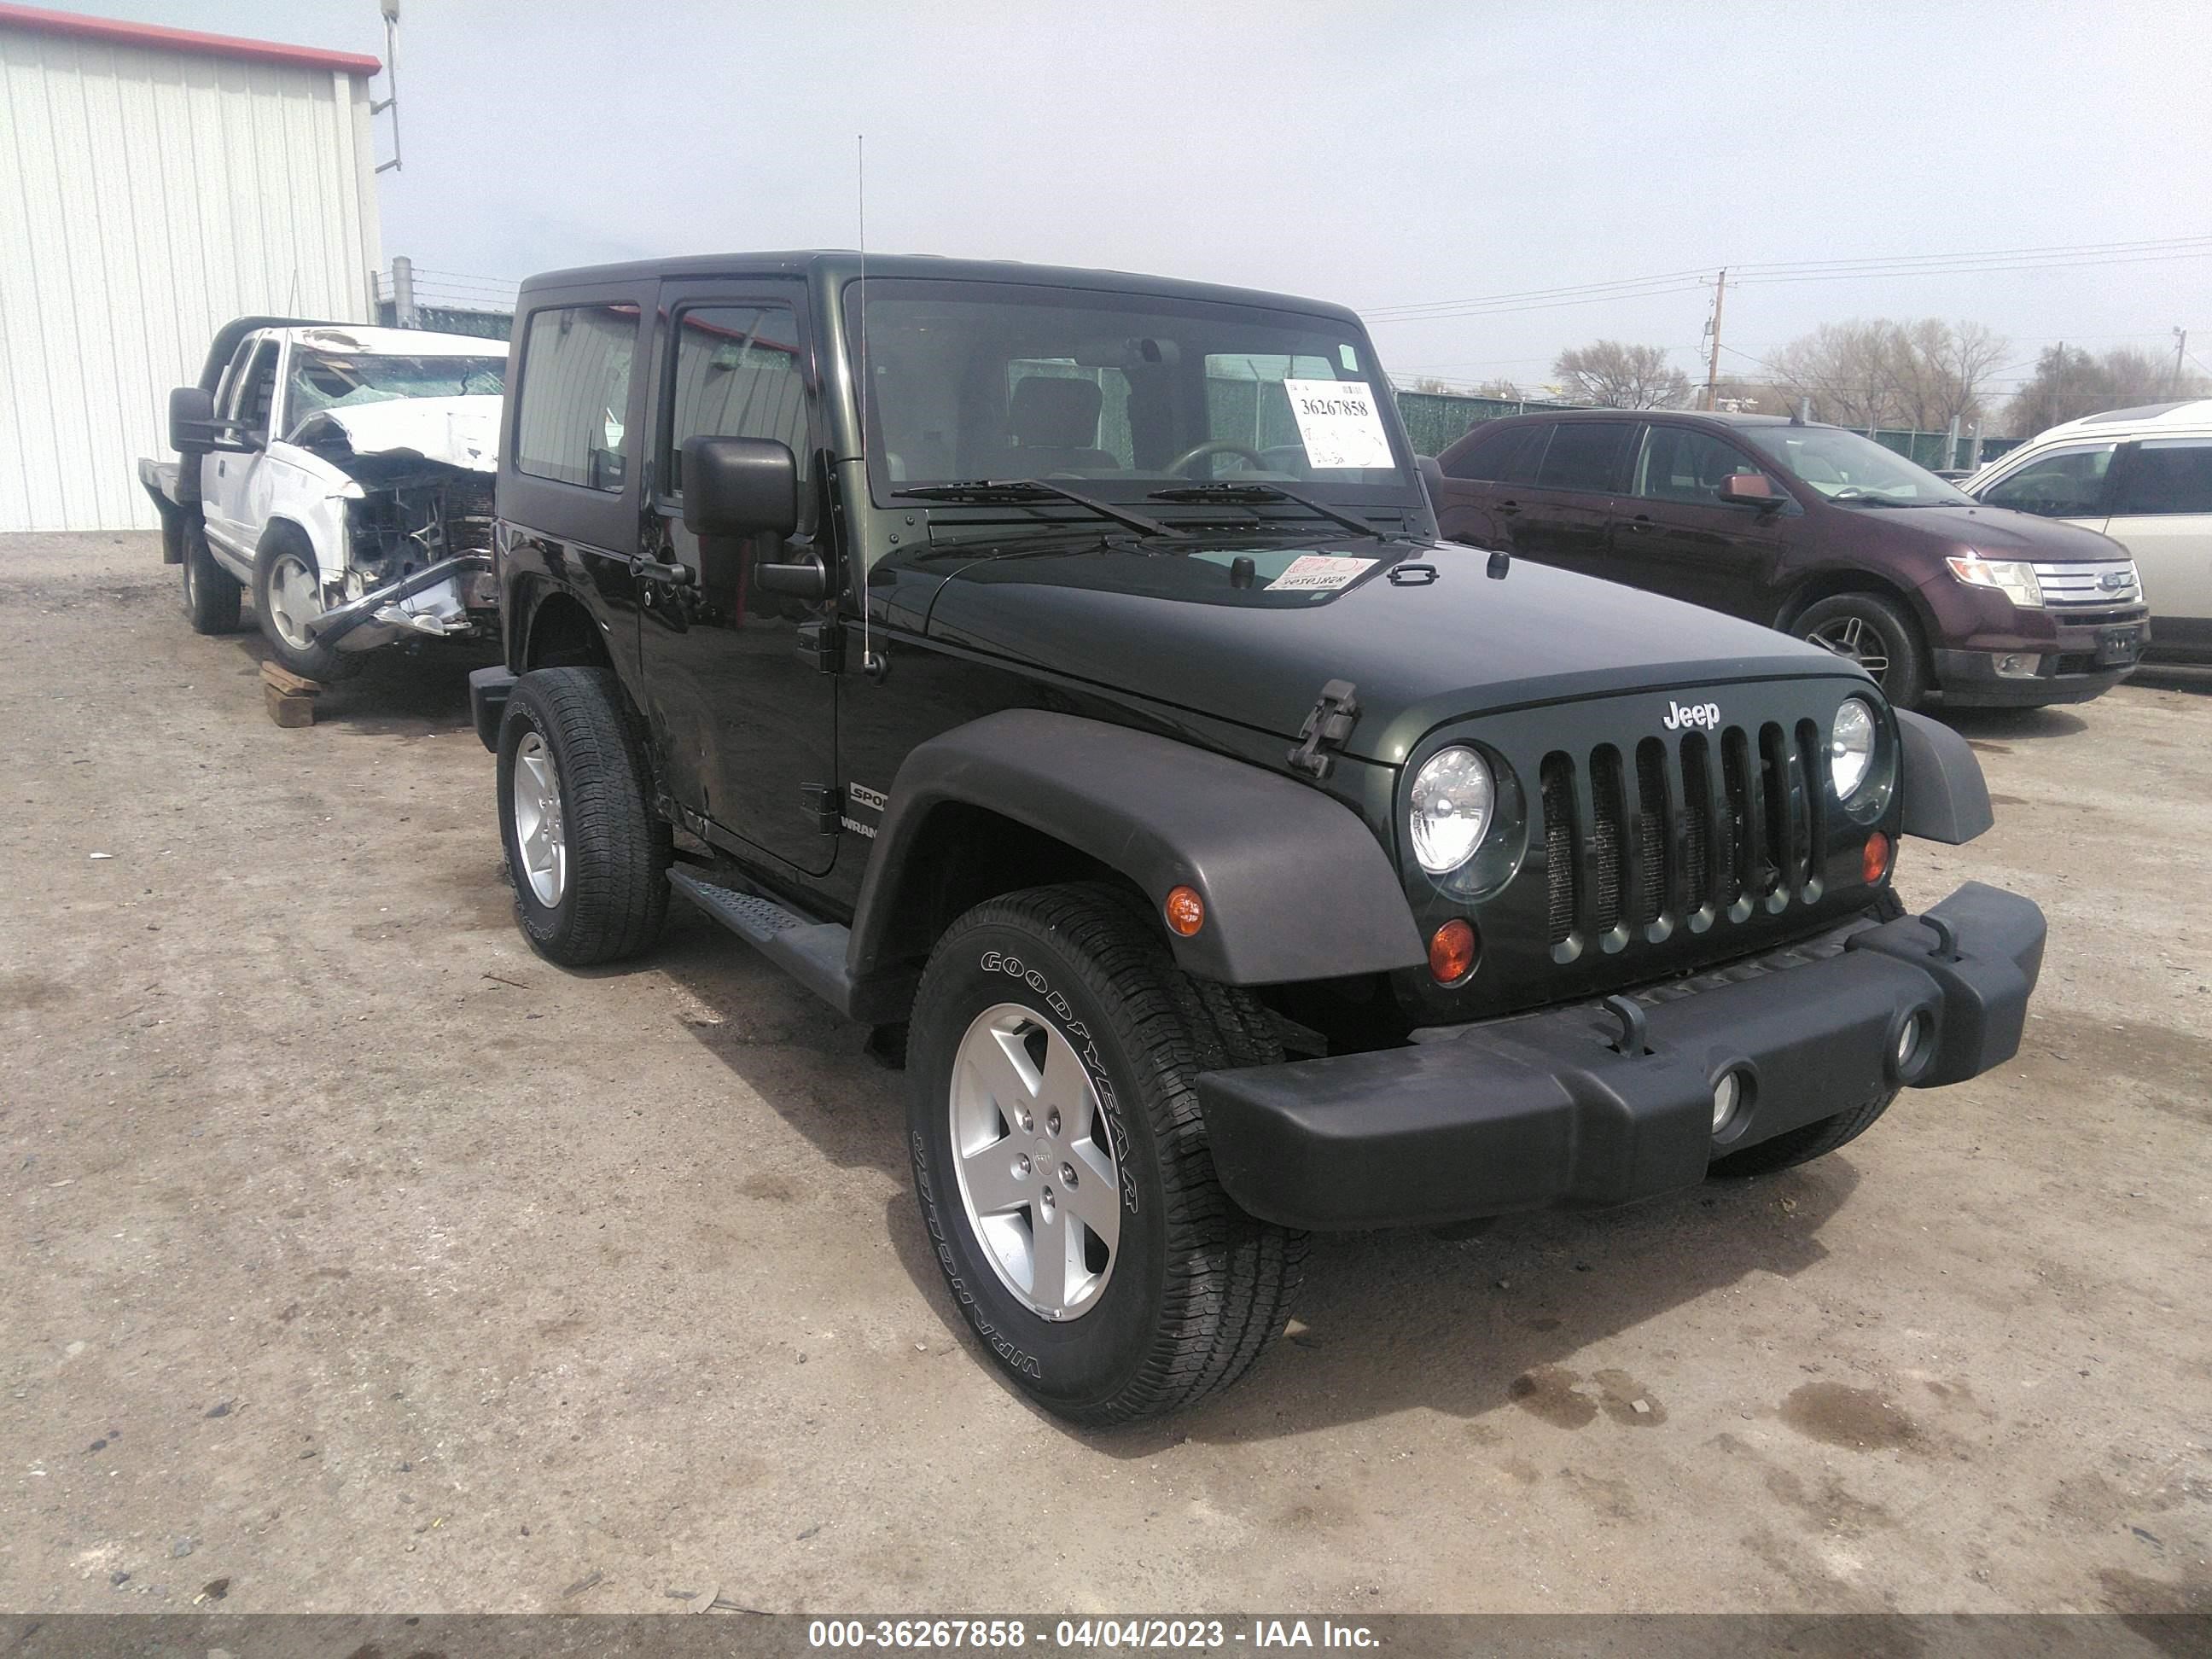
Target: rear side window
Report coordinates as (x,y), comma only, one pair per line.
(2167,476)
(737,375)
(571,424)
(1586,455)
(2066,484)
(1506,455)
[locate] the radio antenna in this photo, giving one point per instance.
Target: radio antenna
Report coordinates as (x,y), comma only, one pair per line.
(860,192)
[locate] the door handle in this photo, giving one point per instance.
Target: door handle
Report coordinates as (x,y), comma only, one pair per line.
(1640,523)
(1507,509)
(653,571)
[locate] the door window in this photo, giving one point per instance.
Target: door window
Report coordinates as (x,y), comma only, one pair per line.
(1681,464)
(1586,455)
(2167,476)
(571,425)
(2066,484)
(255,391)
(1509,455)
(737,373)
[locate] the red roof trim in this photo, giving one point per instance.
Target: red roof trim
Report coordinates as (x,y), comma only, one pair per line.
(161,39)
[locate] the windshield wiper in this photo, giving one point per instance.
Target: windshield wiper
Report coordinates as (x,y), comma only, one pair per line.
(1031,490)
(1250,493)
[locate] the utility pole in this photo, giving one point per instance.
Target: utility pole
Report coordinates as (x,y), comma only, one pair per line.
(2181,349)
(404,315)
(1713,363)
(391,82)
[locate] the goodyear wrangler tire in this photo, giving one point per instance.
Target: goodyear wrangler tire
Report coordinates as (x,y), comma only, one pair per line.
(587,853)
(1062,1163)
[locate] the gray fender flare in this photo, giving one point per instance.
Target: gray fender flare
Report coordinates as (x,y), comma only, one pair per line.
(1944,796)
(1295,886)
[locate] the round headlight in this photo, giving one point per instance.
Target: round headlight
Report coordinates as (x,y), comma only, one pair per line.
(1850,747)
(1454,797)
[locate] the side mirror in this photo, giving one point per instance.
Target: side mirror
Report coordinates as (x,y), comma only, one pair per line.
(193,429)
(1749,490)
(739,487)
(1432,474)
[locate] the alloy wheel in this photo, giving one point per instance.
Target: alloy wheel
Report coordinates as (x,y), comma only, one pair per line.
(539,831)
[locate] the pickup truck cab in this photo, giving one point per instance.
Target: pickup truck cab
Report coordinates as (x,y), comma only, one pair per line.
(1058,671)
(343,475)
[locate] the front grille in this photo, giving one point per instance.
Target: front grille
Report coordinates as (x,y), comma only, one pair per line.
(1718,824)
(2067,587)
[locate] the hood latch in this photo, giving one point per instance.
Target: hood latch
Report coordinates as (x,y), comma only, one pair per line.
(1326,726)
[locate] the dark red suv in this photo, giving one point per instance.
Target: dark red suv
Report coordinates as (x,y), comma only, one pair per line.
(1815,529)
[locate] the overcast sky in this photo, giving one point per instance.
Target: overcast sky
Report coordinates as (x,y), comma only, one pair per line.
(1378,155)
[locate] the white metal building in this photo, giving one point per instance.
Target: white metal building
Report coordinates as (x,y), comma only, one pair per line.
(153,184)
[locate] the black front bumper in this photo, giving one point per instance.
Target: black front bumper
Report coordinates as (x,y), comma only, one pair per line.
(1546,1109)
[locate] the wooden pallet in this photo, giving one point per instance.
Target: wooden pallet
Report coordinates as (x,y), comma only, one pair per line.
(289,698)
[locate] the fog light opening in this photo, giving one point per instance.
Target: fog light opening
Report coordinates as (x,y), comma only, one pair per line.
(1727,1100)
(1911,1049)
(2016,664)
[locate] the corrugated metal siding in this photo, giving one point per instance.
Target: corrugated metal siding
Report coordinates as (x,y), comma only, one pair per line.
(146,197)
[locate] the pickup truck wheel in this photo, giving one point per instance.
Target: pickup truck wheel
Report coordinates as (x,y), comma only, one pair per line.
(587,853)
(1062,1163)
(288,594)
(211,593)
(1876,633)
(1795,1146)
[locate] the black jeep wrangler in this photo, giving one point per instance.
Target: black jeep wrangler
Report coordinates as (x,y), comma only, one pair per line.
(1059,671)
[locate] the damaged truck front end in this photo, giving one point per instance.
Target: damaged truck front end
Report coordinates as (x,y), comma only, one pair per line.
(417,553)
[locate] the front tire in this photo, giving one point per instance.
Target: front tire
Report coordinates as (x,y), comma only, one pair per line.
(1876,633)
(211,593)
(288,595)
(1053,1038)
(587,854)
(1801,1145)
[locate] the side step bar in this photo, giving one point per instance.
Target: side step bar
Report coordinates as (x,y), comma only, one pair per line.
(811,952)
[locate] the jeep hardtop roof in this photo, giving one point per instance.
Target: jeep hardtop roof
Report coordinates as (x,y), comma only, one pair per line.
(842,265)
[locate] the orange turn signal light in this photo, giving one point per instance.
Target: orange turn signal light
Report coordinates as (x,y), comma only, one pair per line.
(1185,910)
(1451,952)
(1874,861)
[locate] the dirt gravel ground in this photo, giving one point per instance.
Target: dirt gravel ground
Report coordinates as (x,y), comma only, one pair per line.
(357,1257)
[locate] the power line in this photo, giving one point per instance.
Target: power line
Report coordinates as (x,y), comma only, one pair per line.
(2080,256)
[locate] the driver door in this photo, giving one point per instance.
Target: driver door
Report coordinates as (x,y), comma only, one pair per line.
(743,709)
(228,477)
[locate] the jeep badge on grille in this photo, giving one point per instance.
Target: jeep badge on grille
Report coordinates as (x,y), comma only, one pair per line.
(1679,715)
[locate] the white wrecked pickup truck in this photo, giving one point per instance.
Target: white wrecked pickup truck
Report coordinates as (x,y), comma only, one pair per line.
(344,475)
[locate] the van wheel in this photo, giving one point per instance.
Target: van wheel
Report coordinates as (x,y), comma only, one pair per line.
(1801,1145)
(587,854)
(288,595)
(1062,1163)
(211,593)
(1874,633)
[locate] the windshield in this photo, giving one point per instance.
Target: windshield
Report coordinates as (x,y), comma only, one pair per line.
(322,379)
(1851,469)
(1118,395)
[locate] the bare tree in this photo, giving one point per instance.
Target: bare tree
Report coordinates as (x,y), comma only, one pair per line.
(1616,376)
(2069,383)
(1428,385)
(1922,374)
(1504,390)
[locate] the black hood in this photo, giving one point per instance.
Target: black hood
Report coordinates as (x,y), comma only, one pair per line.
(1176,626)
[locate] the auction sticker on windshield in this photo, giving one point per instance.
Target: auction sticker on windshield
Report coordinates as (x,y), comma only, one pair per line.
(1319,573)
(1338,423)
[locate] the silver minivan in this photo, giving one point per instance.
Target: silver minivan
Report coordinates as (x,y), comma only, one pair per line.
(2144,477)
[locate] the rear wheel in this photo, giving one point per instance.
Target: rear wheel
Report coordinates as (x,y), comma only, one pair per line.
(211,593)
(1876,633)
(1062,1163)
(587,854)
(1801,1145)
(288,595)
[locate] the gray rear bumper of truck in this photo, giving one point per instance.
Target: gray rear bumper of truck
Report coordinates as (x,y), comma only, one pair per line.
(1561,1109)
